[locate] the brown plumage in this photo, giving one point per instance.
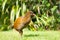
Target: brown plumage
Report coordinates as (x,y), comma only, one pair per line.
(21,22)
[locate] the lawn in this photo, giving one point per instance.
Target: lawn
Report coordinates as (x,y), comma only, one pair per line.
(30,35)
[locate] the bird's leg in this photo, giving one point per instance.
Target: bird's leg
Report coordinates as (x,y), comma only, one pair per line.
(21,32)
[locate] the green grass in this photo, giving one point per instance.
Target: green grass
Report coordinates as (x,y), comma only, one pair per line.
(30,35)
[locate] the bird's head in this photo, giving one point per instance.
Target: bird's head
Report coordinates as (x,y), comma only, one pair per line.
(31,13)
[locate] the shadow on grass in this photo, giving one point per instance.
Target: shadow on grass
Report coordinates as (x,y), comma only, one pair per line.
(31,35)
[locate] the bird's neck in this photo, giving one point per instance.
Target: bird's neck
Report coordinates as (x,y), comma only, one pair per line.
(27,15)
(27,18)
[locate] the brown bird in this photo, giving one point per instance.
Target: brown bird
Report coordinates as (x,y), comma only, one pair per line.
(21,22)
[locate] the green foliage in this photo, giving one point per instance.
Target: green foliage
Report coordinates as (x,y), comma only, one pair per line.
(46,17)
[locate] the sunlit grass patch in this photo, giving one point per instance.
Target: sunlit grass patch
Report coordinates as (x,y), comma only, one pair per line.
(30,35)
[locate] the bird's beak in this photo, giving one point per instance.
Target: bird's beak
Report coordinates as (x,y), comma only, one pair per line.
(33,14)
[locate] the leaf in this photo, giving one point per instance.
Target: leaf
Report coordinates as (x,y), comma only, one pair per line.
(54,8)
(48,5)
(23,9)
(3,5)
